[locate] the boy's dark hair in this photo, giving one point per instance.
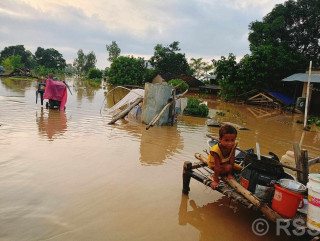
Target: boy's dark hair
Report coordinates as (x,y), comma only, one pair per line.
(227,129)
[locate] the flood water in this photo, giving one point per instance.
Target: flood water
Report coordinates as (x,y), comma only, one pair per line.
(68,175)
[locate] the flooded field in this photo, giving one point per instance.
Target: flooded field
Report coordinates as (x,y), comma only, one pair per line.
(70,176)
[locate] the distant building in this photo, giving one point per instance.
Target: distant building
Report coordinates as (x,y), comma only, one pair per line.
(298,82)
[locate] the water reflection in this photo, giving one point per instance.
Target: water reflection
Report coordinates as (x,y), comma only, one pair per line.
(51,123)
(223,220)
(157,144)
(259,112)
(114,96)
(85,89)
(212,227)
(16,85)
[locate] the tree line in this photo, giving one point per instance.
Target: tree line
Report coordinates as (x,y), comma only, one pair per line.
(281,44)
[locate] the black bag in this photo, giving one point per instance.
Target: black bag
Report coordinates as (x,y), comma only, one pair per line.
(264,172)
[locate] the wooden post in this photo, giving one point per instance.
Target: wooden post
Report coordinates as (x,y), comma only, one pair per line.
(297,157)
(187,167)
(173,106)
(304,166)
(307,98)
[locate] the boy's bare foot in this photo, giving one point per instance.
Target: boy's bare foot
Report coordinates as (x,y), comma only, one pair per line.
(214,185)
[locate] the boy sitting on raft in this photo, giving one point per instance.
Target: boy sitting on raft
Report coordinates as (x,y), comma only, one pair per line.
(222,155)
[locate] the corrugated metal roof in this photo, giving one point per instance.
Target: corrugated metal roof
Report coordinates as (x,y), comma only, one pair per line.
(315,78)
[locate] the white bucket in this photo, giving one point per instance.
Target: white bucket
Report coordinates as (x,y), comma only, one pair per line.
(313,216)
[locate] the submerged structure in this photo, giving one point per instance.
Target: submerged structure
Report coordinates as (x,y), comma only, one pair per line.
(157,104)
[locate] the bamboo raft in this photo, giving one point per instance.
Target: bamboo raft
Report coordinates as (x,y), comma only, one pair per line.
(200,172)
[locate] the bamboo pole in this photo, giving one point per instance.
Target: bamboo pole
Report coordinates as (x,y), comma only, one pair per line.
(307,98)
(240,189)
(125,111)
(156,117)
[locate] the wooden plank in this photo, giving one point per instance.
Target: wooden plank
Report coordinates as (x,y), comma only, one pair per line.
(297,158)
(254,96)
(314,161)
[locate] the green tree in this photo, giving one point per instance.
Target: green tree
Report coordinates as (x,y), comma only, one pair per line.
(197,66)
(200,68)
(127,71)
(50,58)
(182,88)
(12,62)
(90,62)
(79,62)
(168,60)
(113,50)
(293,25)
(94,74)
(282,44)
(27,57)
(226,74)
(83,63)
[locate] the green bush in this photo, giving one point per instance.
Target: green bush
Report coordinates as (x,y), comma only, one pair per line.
(182,88)
(41,70)
(194,108)
(127,71)
(94,74)
(12,62)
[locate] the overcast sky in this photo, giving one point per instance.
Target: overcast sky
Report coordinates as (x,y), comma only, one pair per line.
(205,28)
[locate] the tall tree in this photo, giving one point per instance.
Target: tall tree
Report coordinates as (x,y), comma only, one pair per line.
(83,63)
(50,58)
(200,68)
(282,44)
(79,62)
(90,62)
(168,60)
(293,25)
(27,57)
(114,51)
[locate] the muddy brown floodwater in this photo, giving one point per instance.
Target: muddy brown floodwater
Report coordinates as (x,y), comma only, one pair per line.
(70,176)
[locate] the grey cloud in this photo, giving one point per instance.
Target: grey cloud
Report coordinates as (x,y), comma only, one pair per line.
(204,29)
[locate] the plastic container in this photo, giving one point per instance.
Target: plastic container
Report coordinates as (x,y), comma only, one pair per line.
(313,213)
(288,159)
(286,202)
(292,185)
(301,103)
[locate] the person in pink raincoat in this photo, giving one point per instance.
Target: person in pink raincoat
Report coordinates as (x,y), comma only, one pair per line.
(56,90)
